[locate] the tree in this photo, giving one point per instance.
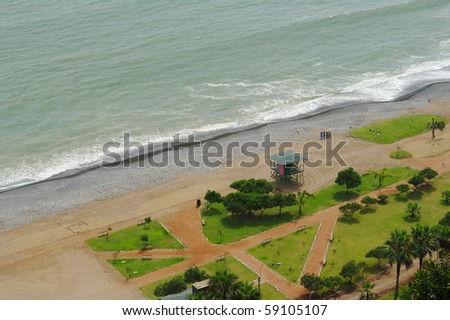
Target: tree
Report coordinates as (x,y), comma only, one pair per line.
(223,285)
(446,196)
(377,253)
(381,175)
(332,283)
(382,198)
(144,239)
(260,186)
(176,285)
(434,124)
(428,173)
(413,209)
(348,177)
(366,291)
(424,242)
(403,188)
(245,291)
(194,274)
(301,199)
(350,208)
(445,221)
(262,202)
(281,201)
(416,180)
(312,283)
(367,201)
(399,251)
(349,270)
(235,203)
(212,196)
(432,283)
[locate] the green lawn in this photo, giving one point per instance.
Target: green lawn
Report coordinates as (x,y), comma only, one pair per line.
(400,154)
(336,194)
(395,129)
(221,227)
(268,292)
(291,251)
(353,238)
(130,239)
(132,268)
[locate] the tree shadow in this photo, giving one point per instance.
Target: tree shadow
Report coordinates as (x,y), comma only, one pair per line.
(415,195)
(410,219)
(428,188)
(367,210)
(342,196)
(211,212)
(241,221)
(348,220)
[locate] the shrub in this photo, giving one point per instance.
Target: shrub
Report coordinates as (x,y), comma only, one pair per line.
(382,198)
(194,274)
(260,186)
(176,285)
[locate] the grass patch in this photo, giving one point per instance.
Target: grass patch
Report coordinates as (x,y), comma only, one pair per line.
(335,194)
(353,241)
(132,268)
(220,227)
(130,239)
(268,292)
(291,251)
(395,129)
(400,154)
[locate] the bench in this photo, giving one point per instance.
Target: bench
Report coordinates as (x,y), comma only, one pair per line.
(141,222)
(103,234)
(301,228)
(266,241)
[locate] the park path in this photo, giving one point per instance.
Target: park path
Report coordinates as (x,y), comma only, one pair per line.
(186,226)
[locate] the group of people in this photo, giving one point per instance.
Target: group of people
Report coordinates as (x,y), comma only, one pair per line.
(325,134)
(376,131)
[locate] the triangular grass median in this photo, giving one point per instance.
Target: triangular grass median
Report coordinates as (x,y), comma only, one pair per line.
(395,129)
(287,255)
(133,268)
(131,239)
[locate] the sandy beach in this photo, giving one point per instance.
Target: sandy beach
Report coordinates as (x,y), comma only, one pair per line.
(48,258)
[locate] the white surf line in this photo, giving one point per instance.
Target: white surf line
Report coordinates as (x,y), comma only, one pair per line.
(328,245)
(309,254)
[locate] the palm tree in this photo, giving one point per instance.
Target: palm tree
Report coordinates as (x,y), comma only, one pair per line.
(301,199)
(398,250)
(366,291)
(413,209)
(433,125)
(247,292)
(223,285)
(380,175)
(424,242)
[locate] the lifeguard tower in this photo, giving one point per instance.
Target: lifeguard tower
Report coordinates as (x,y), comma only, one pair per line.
(287,168)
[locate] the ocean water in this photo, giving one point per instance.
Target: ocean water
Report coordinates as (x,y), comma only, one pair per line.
(78,74)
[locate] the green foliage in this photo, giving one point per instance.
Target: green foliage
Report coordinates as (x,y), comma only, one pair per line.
(432,283)
(301,199)
(224,285)
(212,196)
(144,238)
(377,253)
(332,283)
(175,285)
(312,283)
(424,242)
(280,200)
(147,220)
(367,201)
(435,125)
(194,274)
(348,177)
(428,173)
(394,129)
(130,239)
(413,209)
(350,208)
(260,186)
(403,188)
(446,196)
(382,198)
(445,221)
(399,251)
(381,175)
(350,270)
(366,291)
(417,180)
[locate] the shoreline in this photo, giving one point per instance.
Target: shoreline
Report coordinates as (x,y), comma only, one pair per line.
(45,199)
(44,258)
